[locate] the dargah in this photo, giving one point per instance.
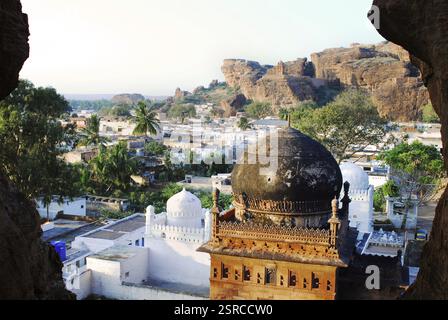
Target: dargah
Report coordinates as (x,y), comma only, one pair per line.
(287,235)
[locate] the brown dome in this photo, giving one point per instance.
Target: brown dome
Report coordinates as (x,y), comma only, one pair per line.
(305,181)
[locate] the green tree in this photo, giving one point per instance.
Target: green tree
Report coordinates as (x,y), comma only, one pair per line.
(259,110)
(32,140)
(182,111)
(379,200)
(120,110)
(390,189)
(244,124)
(429,115)
(225,200)
(417,166)
(170,190)
(111,169)
(154,148)
(345,126)
(90,135)
(146,120)
(297,112)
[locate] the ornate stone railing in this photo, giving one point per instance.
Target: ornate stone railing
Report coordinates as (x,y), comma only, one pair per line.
(238,230)
(282,207)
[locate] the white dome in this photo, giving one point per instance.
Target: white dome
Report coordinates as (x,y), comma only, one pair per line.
(355,175)
(184,209)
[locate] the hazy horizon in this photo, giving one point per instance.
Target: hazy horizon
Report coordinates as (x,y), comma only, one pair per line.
(151,47)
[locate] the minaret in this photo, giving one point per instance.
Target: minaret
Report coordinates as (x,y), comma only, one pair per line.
(215,214)
(150,212)
(334,223)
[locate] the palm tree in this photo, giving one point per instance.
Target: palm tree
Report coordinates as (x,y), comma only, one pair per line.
(146,120)
(244,124)
(90,135)
(112,168)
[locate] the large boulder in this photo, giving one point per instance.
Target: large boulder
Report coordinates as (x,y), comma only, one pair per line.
(421,27)
(285,84)
(127,98)
(384,70)
(29,268)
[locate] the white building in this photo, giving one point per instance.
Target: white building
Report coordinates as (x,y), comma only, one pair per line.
(173,238)
(66,206)
(144,256)
(127,231)
(361,195)
(383,243)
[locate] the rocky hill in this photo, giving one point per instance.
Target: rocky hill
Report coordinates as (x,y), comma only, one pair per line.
(384,70)
(127,98)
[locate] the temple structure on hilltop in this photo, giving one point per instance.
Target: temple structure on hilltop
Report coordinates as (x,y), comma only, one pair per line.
(286,236)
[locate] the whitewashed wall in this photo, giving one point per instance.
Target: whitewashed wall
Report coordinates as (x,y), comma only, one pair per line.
(361,210)
(75,207)
(175,261)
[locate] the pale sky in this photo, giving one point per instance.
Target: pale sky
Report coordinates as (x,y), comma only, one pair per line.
(153,46)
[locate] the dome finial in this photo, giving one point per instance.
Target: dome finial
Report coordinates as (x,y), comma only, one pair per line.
(334,207)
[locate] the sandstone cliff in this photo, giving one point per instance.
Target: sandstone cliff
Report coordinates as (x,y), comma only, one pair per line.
(282,85)
(421,27)
(384,70)
(29,268)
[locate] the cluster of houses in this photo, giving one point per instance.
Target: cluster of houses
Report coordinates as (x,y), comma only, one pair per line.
(153,255)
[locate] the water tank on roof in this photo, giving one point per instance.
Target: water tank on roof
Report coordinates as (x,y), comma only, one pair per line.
(61,249)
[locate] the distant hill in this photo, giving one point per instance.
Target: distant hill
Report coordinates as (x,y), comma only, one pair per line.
(95,97)
(384,70)
(127,98)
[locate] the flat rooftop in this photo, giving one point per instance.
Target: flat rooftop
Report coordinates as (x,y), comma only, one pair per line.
(61,228)
(175,287)
(118,253)
(119,228)
(128,225)
(105,235)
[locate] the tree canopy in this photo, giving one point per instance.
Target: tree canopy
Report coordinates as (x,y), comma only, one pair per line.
(90,135)
(33,139)
(259,110)
(415,165)
(110,171)
(182,111)
(429,115)
(146,120)
(244,124)
(345,126)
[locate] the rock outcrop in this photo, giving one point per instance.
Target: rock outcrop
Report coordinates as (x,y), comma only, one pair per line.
(384,70)
(29,268)
(126,98)
(14,48)
(180,94)
(232,105)
(421,27)
(283,85)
